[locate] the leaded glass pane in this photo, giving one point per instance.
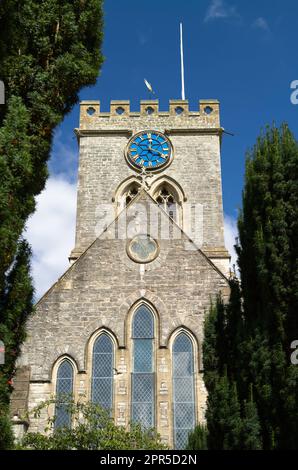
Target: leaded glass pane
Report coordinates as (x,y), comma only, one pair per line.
(102,365)
(64,390)
(102,372)
(143,399)
(183,364)
(181,438)
(142,413)
(183,389)
(102,392)
(103,344)
(142,406)
(184,415)
(183,356)
(143,326)
(142,387)
(143,355)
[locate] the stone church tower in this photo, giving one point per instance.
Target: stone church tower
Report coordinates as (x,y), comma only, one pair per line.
(124,325)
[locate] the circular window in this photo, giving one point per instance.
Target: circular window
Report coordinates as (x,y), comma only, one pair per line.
(142,249)
(119,110)
(179,110)
(208,110)
(149,110)
(90,111)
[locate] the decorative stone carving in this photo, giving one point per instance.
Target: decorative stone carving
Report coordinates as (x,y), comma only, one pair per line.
(163,367)
(163,389)
(122,388)
(163,407)
(121,418)
(122,366)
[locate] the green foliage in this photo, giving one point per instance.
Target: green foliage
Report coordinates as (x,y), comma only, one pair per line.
(252,334)
(16,174)
(197,439)
(6,436)
(92,429)
(15,306)
(43,64)
(49,50)
(251,429)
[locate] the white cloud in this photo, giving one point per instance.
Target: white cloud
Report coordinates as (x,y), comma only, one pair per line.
(261,23)
(231,232)
(218,9)
(50,231)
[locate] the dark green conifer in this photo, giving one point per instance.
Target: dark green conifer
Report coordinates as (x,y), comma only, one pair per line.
(49,50)
(260,320)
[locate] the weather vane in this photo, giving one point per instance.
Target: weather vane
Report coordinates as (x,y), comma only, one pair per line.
(149,88)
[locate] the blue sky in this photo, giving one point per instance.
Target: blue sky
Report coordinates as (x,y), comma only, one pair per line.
(242,53)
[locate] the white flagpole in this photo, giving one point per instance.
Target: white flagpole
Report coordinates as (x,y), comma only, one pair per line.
(182,65)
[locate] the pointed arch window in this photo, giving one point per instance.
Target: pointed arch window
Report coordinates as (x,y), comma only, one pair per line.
(142,381)
(64,392)
(183,389)
(166,199)
(103,372)
(131,193)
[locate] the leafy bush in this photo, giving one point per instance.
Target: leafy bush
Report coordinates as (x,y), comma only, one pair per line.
(92,429)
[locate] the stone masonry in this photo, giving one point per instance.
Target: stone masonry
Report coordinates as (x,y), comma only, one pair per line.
(103,286)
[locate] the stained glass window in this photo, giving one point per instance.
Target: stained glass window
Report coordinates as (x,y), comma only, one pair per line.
(102,372)
(183,390)
(142,383)
(64,391)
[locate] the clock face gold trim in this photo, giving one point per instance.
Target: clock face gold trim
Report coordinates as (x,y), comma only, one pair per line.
(149,149)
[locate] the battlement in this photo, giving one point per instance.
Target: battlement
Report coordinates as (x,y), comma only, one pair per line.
(178,113)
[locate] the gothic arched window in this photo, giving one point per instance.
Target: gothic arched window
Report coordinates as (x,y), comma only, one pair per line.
(64,392)
(142,395)
(102,372)
(167,199)
(183,389)
(131,193)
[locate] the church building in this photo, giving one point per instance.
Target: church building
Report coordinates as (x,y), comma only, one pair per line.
(123,326)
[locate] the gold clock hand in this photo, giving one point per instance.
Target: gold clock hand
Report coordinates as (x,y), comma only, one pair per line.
(155,150)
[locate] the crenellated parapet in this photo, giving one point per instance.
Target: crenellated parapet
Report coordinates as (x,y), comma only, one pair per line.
(178,113)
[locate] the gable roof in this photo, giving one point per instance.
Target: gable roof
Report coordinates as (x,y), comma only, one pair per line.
(144,197)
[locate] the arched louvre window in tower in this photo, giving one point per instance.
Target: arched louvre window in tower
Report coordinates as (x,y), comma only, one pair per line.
(183,390)
(131,193)
(167,200)
(64,392)
(142,381)
(102,372)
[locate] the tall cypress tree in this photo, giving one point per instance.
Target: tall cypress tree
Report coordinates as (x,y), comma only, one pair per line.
(49,50)
(268,265)
(197,440)
(232,423)
(261,318)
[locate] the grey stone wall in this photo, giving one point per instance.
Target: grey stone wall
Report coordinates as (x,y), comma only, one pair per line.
(99,291)
(196,164)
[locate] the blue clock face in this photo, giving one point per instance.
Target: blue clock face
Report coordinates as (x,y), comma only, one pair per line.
(149,149)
